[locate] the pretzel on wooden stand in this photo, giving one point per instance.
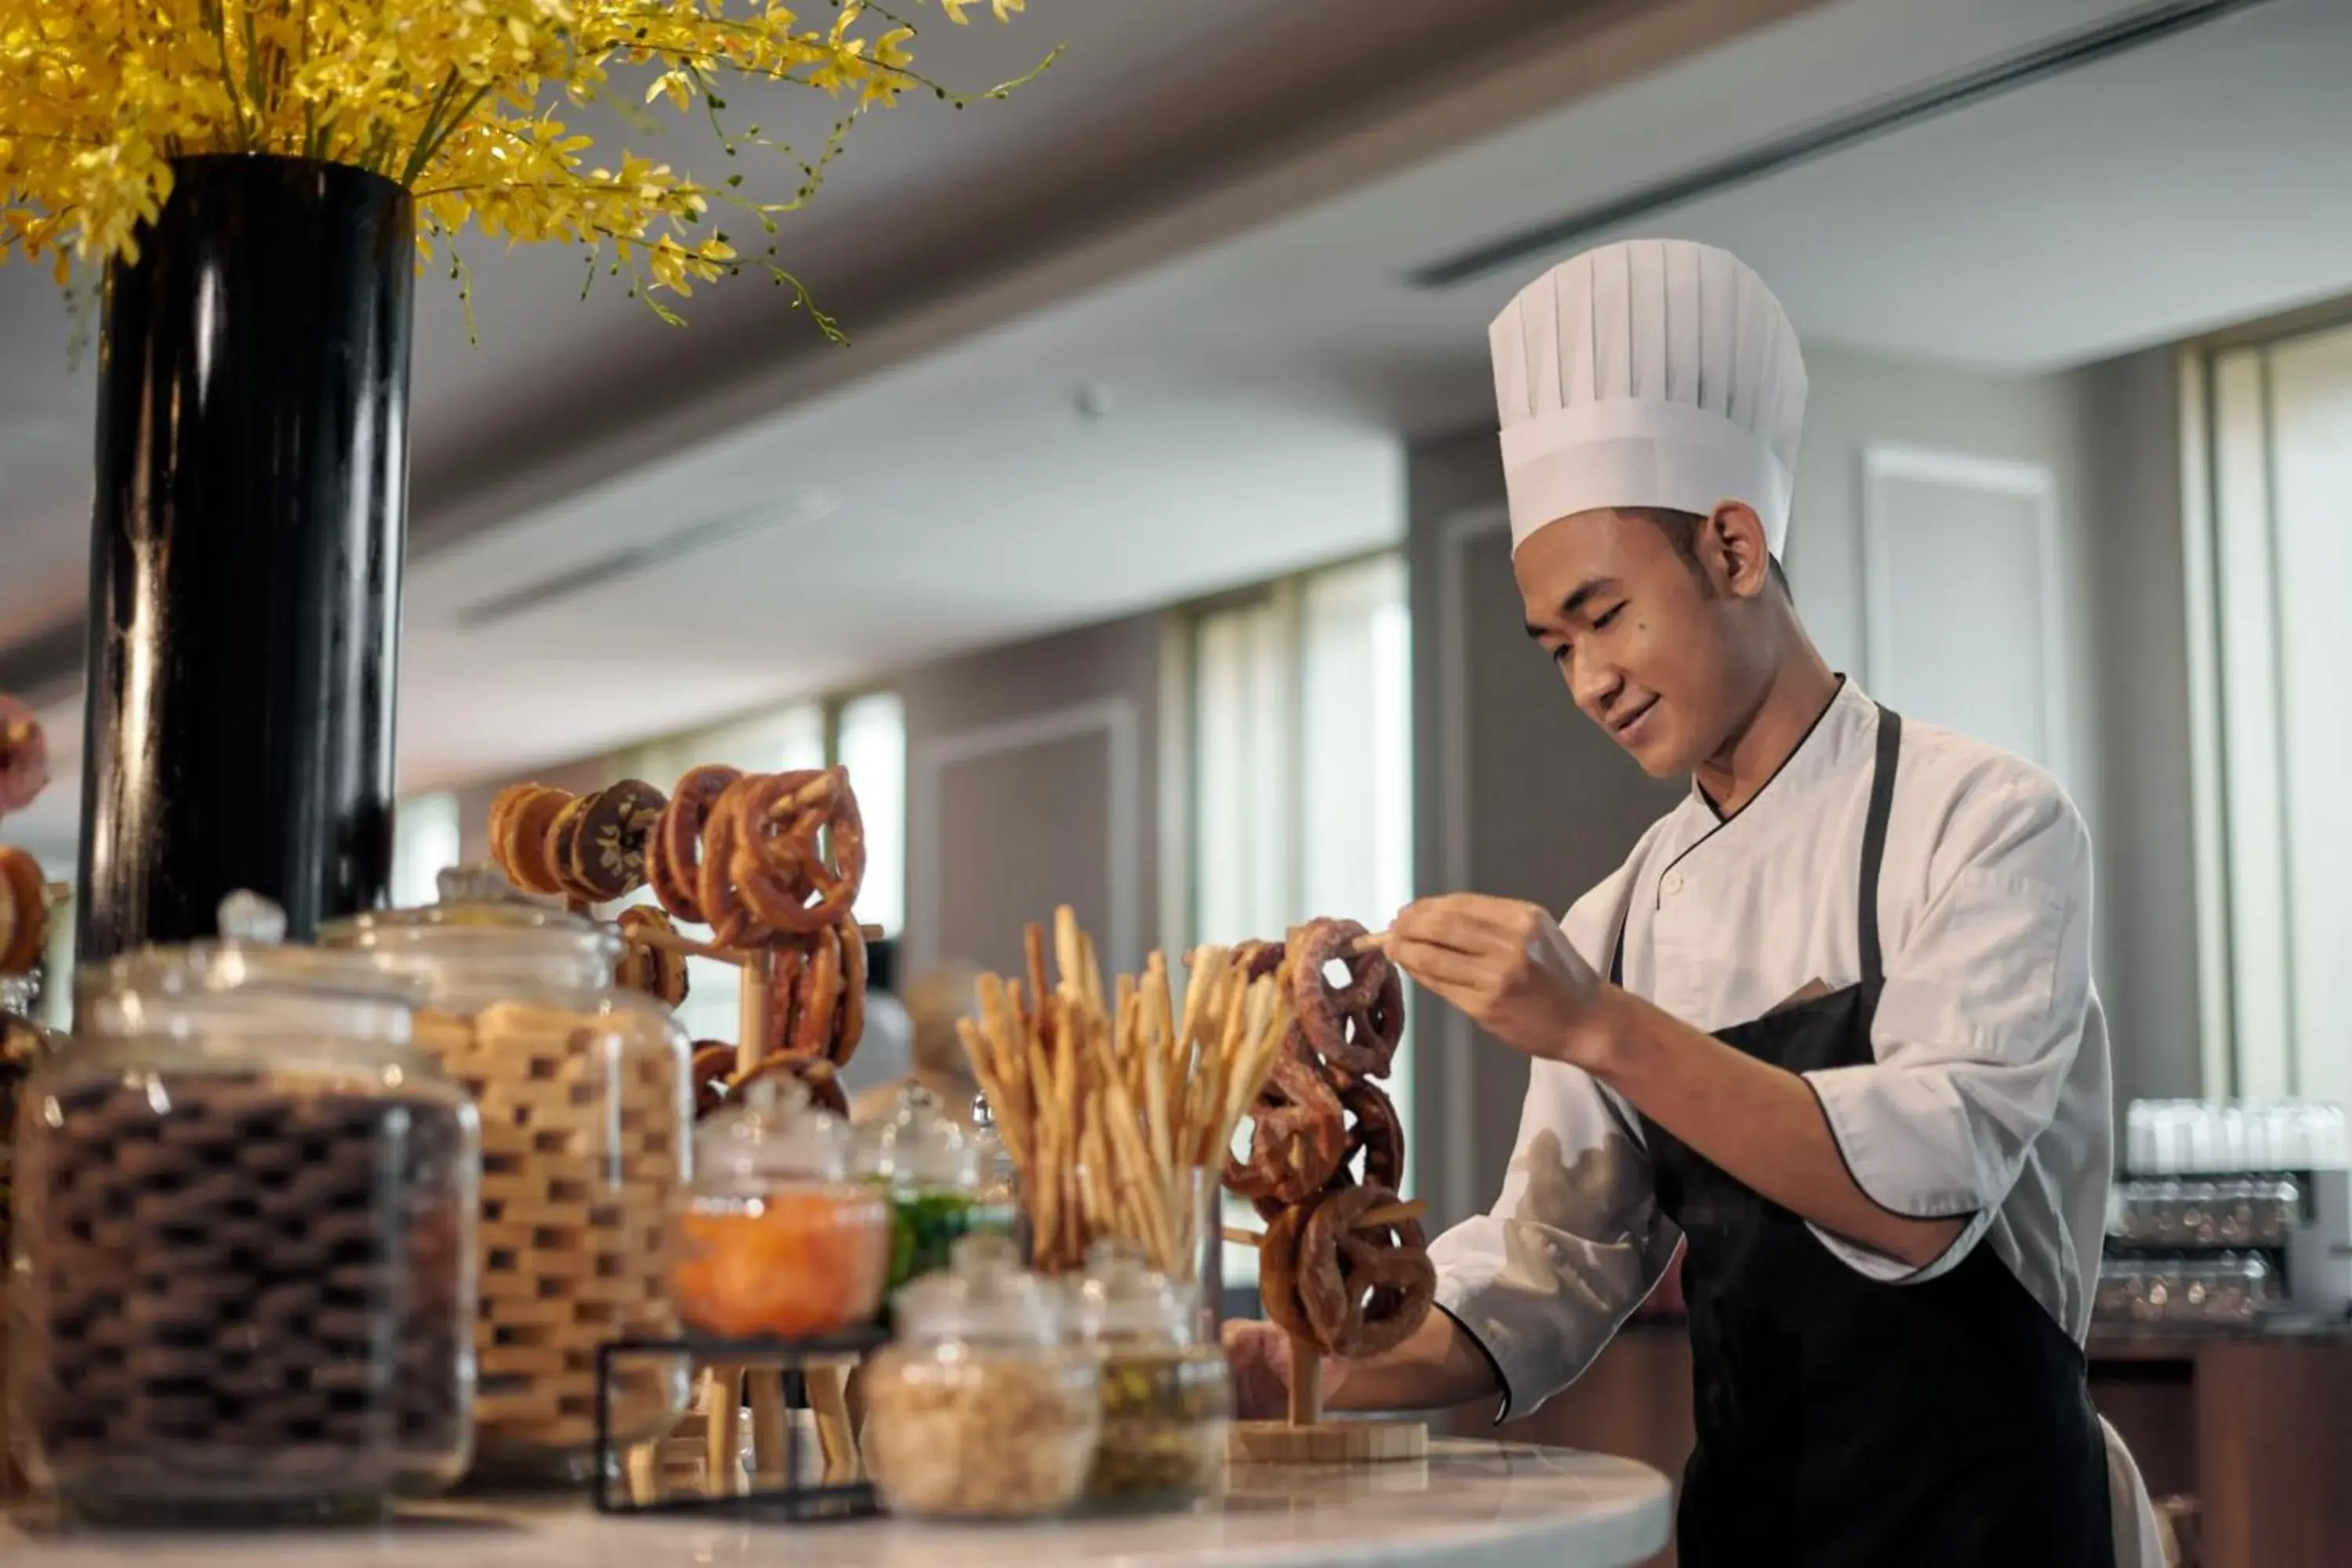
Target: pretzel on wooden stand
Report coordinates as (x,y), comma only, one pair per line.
(772,863)
(1343,1265)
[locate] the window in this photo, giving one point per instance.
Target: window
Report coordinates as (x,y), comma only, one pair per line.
(2266,568)
(1302,772)
(871,741)
(426,840)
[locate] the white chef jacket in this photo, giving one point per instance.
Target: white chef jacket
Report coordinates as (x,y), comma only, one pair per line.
(1989,1098)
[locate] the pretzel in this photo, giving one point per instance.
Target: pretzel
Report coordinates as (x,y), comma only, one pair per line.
(24,911)
(1299,1138)
(731,922)
(779,865)
(657,971)
(1258,960)
(1355,1028)
(24,756)
(1364,1290)
(820,997)
(673,853)
(1377,1133)
(1277,1274)
(850,1027)
(712,1065)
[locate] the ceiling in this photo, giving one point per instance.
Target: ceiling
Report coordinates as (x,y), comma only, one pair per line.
(1234,273)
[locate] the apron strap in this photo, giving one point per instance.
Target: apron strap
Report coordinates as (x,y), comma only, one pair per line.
(1873,841)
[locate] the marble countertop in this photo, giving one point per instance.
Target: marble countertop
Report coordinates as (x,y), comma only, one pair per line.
(1490,1505)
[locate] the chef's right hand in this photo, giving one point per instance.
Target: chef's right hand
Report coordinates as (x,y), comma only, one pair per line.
(1258,1354)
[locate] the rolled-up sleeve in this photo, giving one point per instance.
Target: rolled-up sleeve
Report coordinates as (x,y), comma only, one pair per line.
(1573,1244)
(1984,1007)
(1575,1240)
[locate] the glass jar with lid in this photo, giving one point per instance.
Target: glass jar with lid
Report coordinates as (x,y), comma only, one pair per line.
(999,1197)
(777,1241)
(930,1167)
(244,1257)
(982,1408)
(1167,1397)
(586,1113)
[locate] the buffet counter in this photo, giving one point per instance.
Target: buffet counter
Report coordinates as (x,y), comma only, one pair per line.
(1475,1504)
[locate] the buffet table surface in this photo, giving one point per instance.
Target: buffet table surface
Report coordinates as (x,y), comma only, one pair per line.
(1493,1505)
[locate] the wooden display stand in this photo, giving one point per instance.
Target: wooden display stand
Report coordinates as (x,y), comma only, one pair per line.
(1306,1438)
(724,1389)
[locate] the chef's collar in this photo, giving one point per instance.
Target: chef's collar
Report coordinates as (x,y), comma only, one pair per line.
(1835,732)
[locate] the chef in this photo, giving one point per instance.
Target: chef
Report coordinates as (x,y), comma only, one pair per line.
(1831,1027)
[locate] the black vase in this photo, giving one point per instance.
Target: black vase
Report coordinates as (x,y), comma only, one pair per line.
(246,552)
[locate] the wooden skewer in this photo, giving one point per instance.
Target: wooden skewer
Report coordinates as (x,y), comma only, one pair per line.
(670,942)
(1370,942)
(1241,1237)
(1306,1383)
(1391,1213)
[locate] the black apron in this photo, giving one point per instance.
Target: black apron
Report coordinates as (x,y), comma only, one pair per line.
(1846,1422)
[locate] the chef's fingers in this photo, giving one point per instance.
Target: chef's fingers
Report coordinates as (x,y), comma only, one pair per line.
(1439,966)
(1462,922)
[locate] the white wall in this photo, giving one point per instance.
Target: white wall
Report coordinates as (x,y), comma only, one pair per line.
(2107,436)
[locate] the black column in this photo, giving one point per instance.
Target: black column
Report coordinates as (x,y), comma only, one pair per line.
(245,552)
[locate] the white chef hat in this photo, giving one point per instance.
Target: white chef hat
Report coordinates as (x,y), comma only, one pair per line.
(1649,373)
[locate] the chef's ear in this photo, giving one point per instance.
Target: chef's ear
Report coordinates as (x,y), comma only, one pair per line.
(1732,544)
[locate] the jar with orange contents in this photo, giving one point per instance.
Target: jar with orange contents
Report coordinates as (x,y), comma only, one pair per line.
(776,1242)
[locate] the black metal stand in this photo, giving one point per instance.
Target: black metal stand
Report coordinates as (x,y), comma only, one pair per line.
(793,1502)
(246,551)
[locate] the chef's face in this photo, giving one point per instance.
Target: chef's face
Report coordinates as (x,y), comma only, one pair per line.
(1661,647)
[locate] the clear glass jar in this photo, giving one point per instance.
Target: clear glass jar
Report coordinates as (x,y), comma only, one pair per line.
(244,1253)
(999,1178)
(930,1168)
(982,1408)
(1167,1398)
(586,1122)
(778,1243)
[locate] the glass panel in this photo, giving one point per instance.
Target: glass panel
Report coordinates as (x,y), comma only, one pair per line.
(873,744)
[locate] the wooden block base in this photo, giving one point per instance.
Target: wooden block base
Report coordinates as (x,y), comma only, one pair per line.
(1327,1443)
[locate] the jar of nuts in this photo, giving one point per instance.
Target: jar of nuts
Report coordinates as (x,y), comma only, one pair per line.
(1167,1398)
(982,1408)
(243,1252)
(586,1116)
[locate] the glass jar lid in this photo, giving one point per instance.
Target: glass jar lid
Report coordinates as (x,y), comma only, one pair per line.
(477,910)
(1121,1297)
(772,1136)
(247,971)
(982,1296)
(918,1147)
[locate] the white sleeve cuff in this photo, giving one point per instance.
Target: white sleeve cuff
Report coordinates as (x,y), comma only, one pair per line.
(1905,1135)
(1872,1264)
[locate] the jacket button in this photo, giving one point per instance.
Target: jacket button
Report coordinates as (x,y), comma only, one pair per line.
(1672,884)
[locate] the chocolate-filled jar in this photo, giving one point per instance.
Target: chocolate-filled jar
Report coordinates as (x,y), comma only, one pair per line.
(586,1116)
(244,1241)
